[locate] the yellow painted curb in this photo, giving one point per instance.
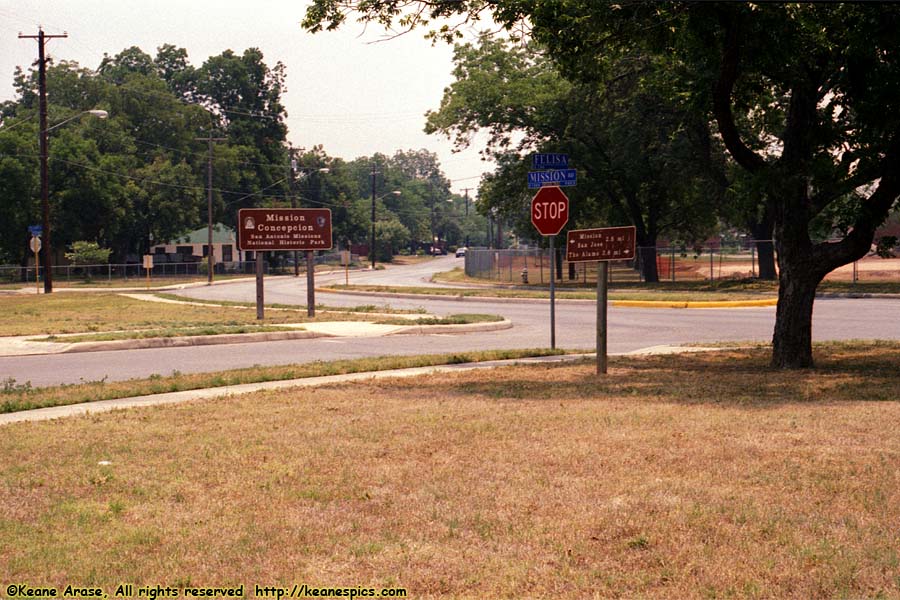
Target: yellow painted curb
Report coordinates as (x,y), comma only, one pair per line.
(669,304)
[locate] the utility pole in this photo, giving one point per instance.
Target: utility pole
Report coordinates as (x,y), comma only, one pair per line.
(210,257)
(372,241)
(42,38)
(433,239)
(466,191)
(291,175)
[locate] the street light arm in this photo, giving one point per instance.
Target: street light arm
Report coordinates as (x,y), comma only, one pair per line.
(394,193)
(100,114)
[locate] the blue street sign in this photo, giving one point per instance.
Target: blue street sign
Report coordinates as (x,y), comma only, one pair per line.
(549,161)
(560,177)
(36,230)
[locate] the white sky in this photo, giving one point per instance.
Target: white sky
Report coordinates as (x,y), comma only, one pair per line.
(352,96)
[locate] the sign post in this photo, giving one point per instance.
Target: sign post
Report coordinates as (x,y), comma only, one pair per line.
(35,244)
(271,229)
(549,214)
(260,304)
(148,266)
(345,260)
(601,245)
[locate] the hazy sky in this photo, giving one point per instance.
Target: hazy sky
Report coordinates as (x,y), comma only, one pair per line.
(346,90)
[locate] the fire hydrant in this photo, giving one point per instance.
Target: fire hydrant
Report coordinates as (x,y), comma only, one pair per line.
(525,275)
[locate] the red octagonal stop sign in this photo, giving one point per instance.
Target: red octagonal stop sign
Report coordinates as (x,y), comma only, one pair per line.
(550,210)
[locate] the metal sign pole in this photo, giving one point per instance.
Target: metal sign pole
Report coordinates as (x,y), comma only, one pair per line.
(37,271)
(310,284)
(602,294)
(259,286)
(552,294)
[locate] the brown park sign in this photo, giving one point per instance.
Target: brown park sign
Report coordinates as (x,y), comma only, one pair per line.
(608,243)
(269,229)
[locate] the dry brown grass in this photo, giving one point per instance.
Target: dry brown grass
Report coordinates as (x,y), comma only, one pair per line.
(675,477)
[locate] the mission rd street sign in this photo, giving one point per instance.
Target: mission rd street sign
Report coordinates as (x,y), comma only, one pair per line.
(608,243)
(270,229)
(549,210)
(554,177)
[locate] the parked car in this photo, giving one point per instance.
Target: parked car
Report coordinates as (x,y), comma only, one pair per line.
(461,251)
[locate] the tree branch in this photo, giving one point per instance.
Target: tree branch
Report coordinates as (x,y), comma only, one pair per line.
(728,74)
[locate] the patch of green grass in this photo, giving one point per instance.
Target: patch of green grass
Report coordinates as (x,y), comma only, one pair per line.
(162,333)
(362,308)
(460,319)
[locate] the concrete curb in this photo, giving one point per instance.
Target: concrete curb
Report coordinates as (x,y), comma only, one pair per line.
(462,328)
(710,304)
(196,340)
(616,303)
(245,338)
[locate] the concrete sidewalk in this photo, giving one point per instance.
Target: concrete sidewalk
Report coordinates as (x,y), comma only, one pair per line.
(57,412)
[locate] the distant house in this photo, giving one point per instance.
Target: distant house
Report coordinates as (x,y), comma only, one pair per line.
(193,247)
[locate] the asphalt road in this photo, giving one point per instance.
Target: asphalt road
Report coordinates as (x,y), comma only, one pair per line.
(629,329)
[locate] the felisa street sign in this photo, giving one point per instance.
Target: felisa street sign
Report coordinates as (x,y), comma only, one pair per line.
(549,161)
(608,243)
(560,177)
(270,229)
(36,230)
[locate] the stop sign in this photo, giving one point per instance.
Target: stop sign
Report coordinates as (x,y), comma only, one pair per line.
(549,210)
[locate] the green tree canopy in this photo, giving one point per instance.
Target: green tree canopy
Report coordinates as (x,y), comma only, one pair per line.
(824,76)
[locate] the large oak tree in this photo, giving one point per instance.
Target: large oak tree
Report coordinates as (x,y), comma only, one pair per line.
(827,75)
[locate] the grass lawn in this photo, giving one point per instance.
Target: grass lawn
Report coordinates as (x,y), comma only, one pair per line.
(694,476)
(103,312)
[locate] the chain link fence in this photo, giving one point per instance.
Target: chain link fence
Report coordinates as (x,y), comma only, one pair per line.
(707,263)
(12,274)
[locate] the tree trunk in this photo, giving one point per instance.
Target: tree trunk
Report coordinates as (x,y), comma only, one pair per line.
(647,264)
(762,232)
(792,340)
(765,256)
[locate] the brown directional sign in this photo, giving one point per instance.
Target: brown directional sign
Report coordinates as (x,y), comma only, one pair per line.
(268,229)
(608,243)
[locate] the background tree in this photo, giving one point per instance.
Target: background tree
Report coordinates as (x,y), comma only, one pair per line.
(636,149)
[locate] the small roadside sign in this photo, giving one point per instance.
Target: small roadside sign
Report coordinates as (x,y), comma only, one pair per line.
(555,177)
(36,230)
(601,246)
(148,261)
(35,244)
(549,161)
(607,243)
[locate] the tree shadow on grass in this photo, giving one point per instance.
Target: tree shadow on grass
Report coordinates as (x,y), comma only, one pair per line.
(844,373)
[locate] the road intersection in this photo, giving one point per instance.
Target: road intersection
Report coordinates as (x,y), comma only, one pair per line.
(630,329)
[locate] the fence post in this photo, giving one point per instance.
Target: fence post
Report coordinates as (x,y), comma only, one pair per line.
(753,260)
(672,264)
(712,267)
(541,257)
